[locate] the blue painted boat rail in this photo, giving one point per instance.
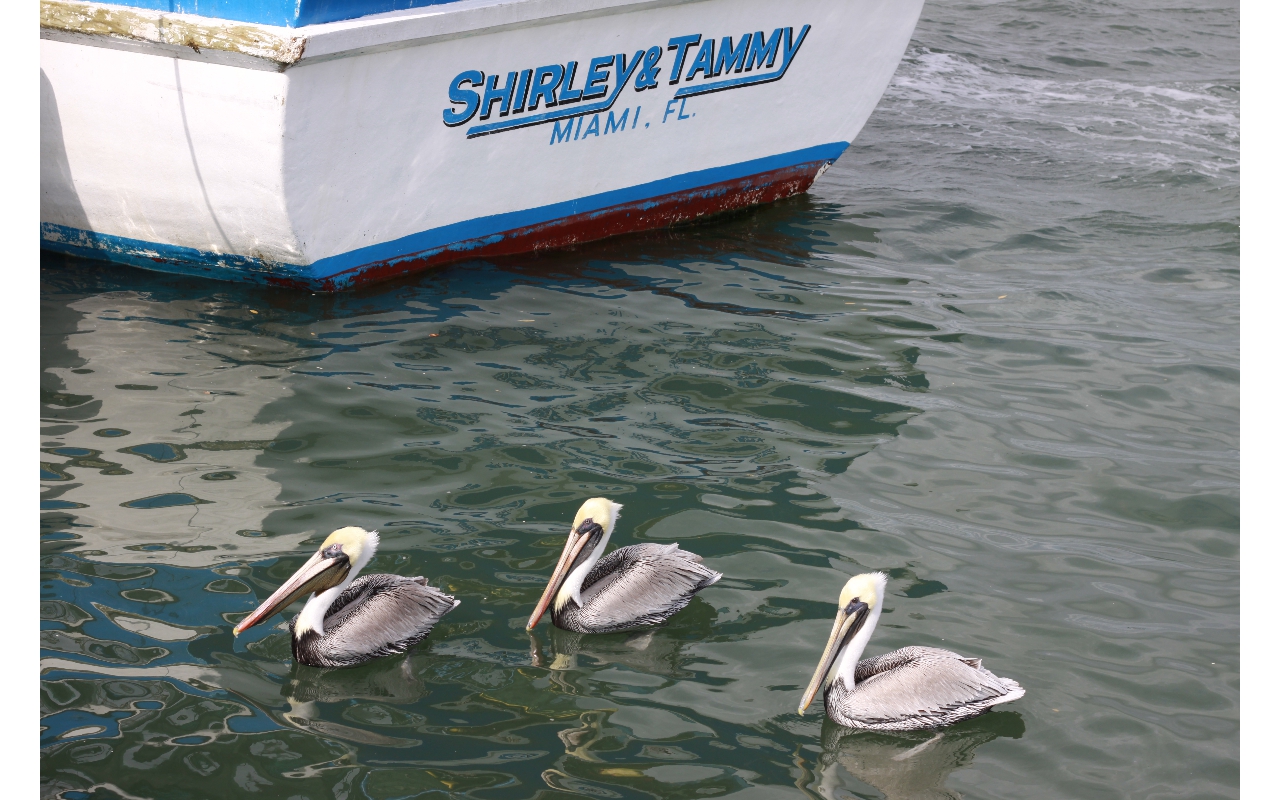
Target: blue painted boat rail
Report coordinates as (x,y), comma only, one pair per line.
(287,13)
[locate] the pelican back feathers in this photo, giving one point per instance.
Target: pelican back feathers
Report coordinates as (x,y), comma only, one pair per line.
(377,615)
(917,687)
(635,586)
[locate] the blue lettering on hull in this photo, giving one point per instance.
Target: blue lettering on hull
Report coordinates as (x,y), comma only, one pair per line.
(547,94)
(613,123)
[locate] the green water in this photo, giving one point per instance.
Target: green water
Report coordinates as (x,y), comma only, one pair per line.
(994,353)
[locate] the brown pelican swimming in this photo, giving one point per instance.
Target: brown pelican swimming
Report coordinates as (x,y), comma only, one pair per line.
(642,584)
(348,621)
(908,689)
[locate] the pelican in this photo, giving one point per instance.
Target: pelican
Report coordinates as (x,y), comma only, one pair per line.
(908,689)
(634,586)
(347,621)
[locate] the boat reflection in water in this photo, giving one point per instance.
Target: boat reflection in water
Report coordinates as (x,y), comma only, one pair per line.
(902,765)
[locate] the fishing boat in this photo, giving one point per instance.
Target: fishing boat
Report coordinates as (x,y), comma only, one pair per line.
(322,144)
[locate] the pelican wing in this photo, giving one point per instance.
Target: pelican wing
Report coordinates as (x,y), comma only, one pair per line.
(380,615)
(642,584)
(919,687)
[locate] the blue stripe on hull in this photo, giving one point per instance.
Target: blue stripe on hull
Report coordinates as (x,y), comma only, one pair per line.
(476,232)
(165,257)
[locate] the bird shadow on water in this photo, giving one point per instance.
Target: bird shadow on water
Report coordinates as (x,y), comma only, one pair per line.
(900,765)
(388,682)
(373,695)
(397,679)
(654,651)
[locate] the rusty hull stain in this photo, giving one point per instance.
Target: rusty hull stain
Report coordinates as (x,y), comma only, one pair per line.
(158,27)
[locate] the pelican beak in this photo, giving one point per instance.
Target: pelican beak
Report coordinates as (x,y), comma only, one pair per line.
(849,621)
(577,546)
(324,570)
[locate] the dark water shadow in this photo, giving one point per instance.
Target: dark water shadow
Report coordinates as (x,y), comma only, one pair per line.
(788,233)
(652,651)
(58,323)
(396,679)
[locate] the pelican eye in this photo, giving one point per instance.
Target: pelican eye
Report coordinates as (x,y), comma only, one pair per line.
(589,527)
(332,551)
(849,608)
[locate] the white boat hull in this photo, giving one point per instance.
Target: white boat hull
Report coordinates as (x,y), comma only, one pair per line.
(339,167)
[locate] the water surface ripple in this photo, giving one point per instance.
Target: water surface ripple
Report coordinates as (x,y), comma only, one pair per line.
(993,352)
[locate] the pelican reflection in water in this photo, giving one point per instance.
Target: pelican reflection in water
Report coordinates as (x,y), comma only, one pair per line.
(908,689)
(907,765)
(320,700)
(648,651)
(634,586)
(348,621)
